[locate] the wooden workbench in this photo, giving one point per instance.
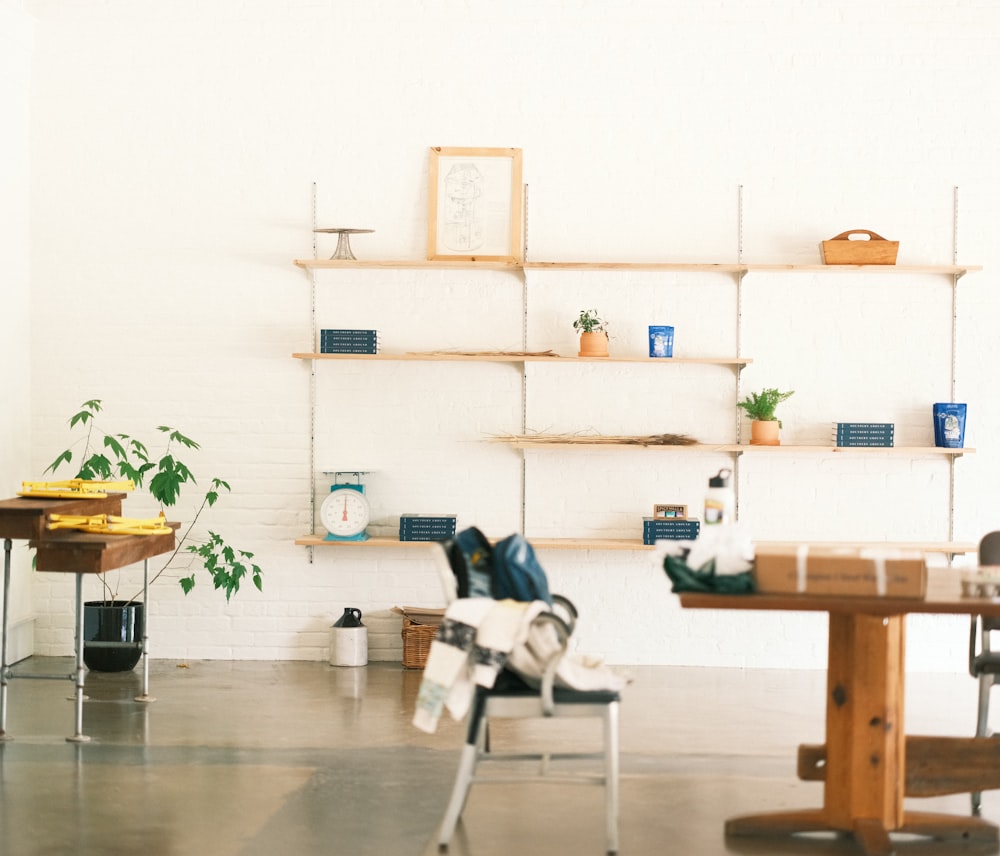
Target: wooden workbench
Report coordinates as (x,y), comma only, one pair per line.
(79,553)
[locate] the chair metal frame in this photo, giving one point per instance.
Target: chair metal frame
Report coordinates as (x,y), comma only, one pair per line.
(984,662)
(512,698)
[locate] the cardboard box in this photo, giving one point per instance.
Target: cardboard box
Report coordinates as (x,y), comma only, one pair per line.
(863,572)
(420,614)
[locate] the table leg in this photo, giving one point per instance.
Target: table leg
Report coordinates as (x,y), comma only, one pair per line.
(79,736)
(865,758)
(145,696)
(865,737)
(7,545)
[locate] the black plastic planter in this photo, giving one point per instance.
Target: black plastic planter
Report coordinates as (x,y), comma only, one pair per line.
(112,621)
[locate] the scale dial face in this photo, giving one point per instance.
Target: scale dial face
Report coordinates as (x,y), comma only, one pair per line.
(345,512)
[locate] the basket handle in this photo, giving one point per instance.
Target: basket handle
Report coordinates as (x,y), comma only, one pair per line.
(845,236)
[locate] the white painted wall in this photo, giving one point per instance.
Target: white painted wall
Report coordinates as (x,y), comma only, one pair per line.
(174,151)
(15,316)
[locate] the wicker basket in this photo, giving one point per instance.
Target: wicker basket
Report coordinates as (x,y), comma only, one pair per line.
(417,640)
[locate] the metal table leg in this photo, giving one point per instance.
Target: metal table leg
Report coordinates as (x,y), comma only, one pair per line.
(145,697)
(3,650)
(79,736)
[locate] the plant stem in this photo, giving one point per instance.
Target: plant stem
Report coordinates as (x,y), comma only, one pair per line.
(178,546)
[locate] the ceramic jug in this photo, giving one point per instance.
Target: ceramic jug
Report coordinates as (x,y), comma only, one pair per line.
(349,640)
(350,618)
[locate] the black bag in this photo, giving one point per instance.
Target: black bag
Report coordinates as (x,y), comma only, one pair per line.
(704,579)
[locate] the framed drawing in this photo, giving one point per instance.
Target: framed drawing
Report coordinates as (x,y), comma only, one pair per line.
(670,511)
(475,204)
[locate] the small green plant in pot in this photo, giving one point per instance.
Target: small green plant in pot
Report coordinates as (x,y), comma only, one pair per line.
(593,336)
(760,407)
(122,457)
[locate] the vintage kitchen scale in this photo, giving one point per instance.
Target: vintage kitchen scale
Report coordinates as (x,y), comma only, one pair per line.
(346,512)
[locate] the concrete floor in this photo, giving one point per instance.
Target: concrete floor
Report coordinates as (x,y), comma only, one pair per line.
(262,758)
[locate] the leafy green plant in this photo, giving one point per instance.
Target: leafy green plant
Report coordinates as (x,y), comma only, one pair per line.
(589,322)
(111,457)
(760,406)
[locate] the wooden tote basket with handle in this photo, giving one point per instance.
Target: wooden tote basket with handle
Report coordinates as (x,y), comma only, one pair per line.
(871,250)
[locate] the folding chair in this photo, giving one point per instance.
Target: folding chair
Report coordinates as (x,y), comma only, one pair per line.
(512,697)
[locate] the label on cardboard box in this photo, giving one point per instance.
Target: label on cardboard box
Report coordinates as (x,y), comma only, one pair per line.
(862,572)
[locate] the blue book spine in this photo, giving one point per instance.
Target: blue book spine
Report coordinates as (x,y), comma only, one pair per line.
(349,348)
(348,341)
(864,434)
(346,333)
(426,527)
(669,529)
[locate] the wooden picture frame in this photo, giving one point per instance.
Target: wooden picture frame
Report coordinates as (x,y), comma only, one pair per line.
(475,205)
(674,512)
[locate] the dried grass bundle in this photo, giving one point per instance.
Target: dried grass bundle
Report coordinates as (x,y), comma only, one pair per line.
(450,353)
(597,439)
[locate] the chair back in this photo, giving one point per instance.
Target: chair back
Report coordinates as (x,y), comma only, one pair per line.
(989,554)
(989,549)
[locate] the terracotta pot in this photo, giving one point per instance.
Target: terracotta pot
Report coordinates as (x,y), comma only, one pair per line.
(593,344)
(765,433)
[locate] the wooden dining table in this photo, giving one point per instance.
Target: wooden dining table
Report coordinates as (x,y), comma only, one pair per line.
(868,764)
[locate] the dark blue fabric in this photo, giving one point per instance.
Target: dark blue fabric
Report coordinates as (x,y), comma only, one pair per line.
(517,573)
(509,570)
(477,564)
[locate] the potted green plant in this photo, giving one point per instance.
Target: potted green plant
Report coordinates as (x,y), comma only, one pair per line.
(760,407)
(165,477)
(593,336)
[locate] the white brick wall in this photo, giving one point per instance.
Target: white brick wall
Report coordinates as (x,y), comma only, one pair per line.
(173,152)
(15,314)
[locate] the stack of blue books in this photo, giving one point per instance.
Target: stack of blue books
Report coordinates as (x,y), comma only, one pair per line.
(669,529)
(426,527)
(863,433)
(348,341)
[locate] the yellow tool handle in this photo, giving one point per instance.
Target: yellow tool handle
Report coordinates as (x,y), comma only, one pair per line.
(105,524)
(83,486)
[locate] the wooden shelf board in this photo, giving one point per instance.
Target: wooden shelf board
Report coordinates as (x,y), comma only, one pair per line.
(548,543)
(691,267)
(530,442)
(466,358)
(590,544)
(955,270)
(404,264)
(374,541)
(859,450)
(620,544)
(522,358)
(663,361)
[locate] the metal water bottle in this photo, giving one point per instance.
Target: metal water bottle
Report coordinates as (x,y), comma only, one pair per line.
(720,500)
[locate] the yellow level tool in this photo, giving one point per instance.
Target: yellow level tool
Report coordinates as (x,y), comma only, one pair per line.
(107,524)
(72,489)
